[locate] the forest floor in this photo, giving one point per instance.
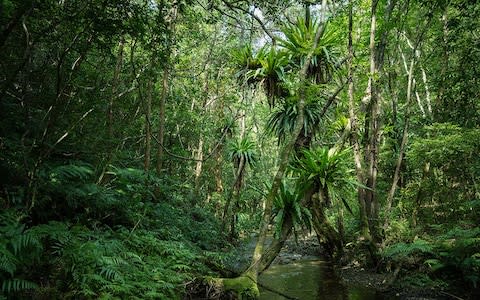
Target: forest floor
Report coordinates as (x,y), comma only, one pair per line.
(359,276)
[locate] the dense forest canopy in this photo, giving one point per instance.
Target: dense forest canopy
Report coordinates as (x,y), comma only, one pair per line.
(142,140)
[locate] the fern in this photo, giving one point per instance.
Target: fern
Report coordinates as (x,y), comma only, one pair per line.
(8,261)
(65,173)
(16,285)
(19,249)
(401,251)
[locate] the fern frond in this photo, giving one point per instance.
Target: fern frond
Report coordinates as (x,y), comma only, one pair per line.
(16,285)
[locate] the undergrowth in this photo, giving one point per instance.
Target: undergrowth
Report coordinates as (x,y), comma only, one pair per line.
(439,258)
(116,240)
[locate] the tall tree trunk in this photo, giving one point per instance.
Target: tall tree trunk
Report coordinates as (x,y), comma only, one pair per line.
(170,20)
(116,75)
(401,151)
(218,155)
(445,57)
(365,231)
(277,244)
(372,150)
(111,148)
(361,176)
(161,120)
(218,169)
(148,126)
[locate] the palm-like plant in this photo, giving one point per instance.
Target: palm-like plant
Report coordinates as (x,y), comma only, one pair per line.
(242,154)
(289,214)
(271,73)
(328,173)
(298,41)
(282,121)
(242,150)
(288,205)
(267,67)
(327,169)
(244,60)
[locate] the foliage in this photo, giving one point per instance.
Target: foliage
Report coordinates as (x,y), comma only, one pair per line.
(453,252)
(282,119)
(106,193)
(288,202)
(20,250)
(243,149)
(95,260)
(324,167)
(298,41)
(271,73)
(451,186)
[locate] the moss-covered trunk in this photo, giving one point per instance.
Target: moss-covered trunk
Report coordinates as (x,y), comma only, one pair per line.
(328,237)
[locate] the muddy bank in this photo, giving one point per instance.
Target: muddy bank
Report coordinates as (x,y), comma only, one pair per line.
(358,276)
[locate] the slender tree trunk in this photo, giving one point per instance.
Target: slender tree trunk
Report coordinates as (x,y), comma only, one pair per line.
(354,131)
(218,155)
(111,112)
(171,19)
(148,125)
(401,151)
(374,136)
(232,199)
(445,57)
(199,164)
(277,244)
(116,75)
(161,120)
(218,170)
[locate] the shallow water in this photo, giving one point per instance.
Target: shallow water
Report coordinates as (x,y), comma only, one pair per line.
(310,280)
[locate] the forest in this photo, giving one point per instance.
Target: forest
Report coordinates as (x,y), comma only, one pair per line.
(174,149)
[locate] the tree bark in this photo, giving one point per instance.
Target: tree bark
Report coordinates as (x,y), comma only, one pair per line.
(365,231)
(277,244)
(401,151)
(372,150)
(148,126)
(170,20)
(161,120)
(116,75)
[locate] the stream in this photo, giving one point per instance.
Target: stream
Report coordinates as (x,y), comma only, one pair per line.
(310,280)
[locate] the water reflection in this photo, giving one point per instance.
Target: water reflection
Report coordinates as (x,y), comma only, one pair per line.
(310,280)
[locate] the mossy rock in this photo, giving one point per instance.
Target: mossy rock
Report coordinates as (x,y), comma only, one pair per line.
(242,287)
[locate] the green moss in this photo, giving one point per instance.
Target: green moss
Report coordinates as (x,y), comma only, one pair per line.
(243,286)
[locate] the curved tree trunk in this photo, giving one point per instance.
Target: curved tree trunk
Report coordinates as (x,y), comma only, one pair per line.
(246,283)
